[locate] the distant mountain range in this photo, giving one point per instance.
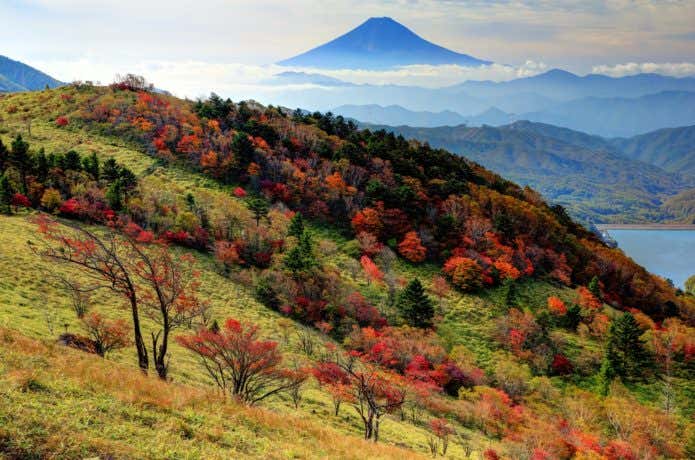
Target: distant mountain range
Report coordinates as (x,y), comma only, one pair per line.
(611,107)
(17,76)
(396,115)
(589,175)
(379,43)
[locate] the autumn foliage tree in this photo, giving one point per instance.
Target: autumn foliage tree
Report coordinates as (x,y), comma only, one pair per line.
(240,362)
(411,248)
(465,273)
(107,335)
(129,261)
(372,392)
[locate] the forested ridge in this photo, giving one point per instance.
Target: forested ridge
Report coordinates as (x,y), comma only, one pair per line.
(394,253)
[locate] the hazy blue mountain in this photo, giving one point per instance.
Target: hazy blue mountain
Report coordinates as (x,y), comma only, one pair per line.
(492,117)
(584,173)
(376,44)
(305,78)
(395,115)
(618,116)
(561,85)
(17,76)
(672,149)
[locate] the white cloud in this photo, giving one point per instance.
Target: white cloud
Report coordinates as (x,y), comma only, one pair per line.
(673,69)
(190,78)
(431,76)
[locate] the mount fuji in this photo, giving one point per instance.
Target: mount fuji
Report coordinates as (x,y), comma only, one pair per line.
(379,43)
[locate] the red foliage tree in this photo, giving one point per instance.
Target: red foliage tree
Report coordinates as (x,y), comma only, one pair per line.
(62,121)
(239,362)
(411,247)
(108,335)
(465,273)
(556,306)
(371,270)
(368,220)
(19,200)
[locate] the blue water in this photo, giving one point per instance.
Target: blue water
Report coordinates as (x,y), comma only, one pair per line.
(667,253)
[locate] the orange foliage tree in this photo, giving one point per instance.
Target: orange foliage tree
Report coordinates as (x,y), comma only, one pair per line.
(411,247)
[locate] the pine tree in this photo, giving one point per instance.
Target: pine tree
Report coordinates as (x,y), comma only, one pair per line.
(5,195)
(110,171)
(72,161)
(300,259)
(3,157)
(259,208)
(114,195)
(415,306)
(42,166)
(626,356)
(243,149)
(594,287)
(296,227)
(91,165)
(21,159)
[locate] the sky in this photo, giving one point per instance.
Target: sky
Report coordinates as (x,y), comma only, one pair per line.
(194,47)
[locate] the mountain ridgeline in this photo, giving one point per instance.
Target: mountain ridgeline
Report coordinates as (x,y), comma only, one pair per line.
(596,104)
(17,76)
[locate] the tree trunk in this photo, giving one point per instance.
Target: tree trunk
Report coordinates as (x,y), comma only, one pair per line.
(139,342)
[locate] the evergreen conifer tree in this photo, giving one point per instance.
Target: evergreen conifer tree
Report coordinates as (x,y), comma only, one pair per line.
(415,306)
(21,159)
(296,227)
(259,207)
(626,357)
(300,259)
(3,157)
(5,195)
(594,287)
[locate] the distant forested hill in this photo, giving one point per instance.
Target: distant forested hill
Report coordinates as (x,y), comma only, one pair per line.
(672,149)
(17,76)
(587,174)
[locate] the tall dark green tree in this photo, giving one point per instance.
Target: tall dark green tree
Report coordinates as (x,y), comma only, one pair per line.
(3,157)
(110,171)
(300,260)
(626,357)
(114,195)
(594,287)
(259,207)
(42,165)
(296,227)
(5,195)
(91,165)
(415,306)
(243,149)
(72,161)
(21,159)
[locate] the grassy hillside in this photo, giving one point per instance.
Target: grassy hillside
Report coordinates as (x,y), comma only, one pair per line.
(538,398)
(61,403)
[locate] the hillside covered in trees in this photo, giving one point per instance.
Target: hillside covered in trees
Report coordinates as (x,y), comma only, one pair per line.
(390,290)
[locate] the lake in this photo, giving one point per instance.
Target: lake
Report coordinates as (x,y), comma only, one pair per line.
(665,252)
